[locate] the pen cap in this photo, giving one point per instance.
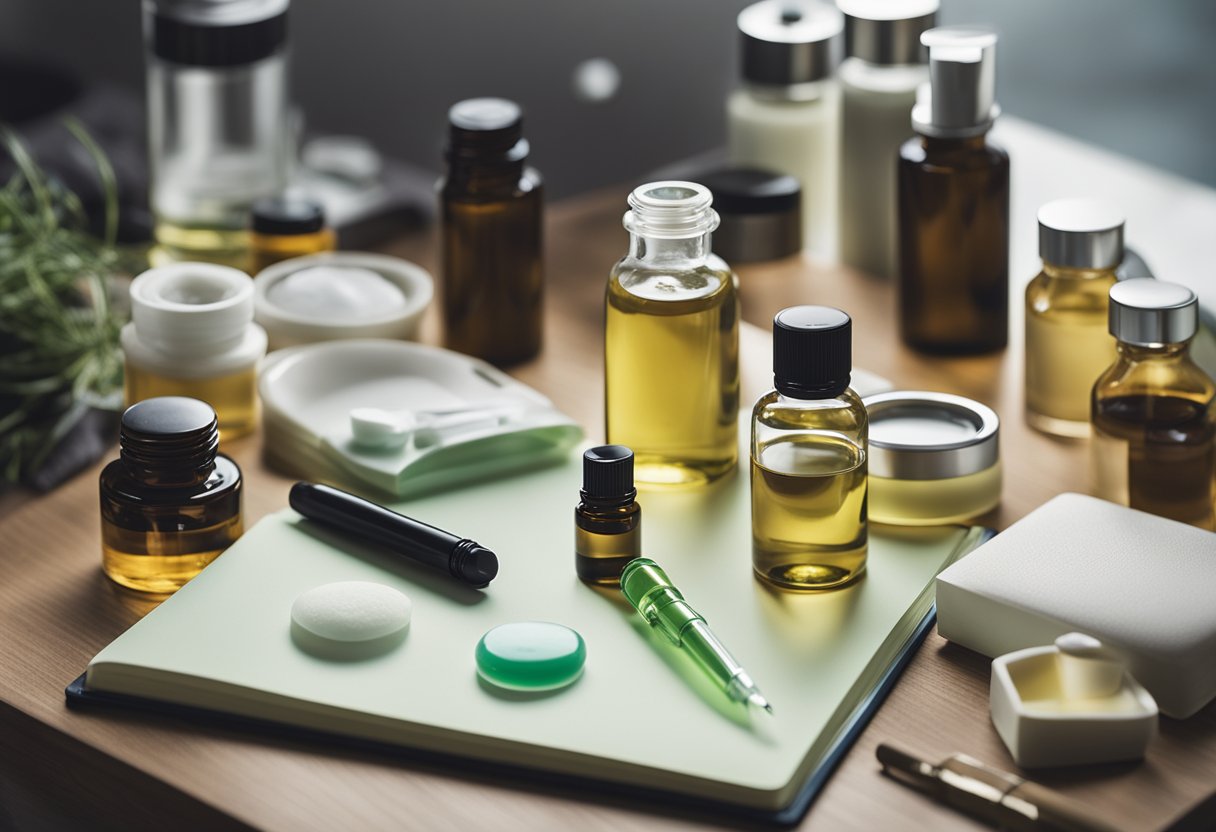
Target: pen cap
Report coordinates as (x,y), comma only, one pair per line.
(812,352)
(608,473)
(650,591)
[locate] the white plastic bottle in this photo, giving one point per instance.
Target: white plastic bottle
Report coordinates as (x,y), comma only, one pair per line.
(786,117)
(878,82)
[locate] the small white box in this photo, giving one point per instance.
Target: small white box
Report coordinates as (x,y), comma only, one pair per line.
(1143,585)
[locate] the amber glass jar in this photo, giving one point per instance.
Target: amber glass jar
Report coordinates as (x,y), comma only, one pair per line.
(284,227)
(170,504)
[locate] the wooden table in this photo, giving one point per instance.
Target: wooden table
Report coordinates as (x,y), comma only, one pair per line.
(106,769)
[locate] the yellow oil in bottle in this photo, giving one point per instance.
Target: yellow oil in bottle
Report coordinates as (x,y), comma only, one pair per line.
(163,561)
(233,396)
(672,372)
(176,243)
(809,511)
(1067,347)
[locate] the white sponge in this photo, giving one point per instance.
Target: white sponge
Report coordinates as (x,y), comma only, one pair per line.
(352,611)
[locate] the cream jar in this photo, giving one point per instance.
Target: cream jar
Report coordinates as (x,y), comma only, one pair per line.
(934,458)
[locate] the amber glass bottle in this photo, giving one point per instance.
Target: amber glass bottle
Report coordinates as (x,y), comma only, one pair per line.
(953,190)
(170,504)
(492,216)
(283,227)
(1153,412)
(608,519)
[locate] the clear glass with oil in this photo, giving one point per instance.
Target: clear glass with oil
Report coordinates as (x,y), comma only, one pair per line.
(809,457)
(192,334)
(1153,412)
(170,504)
(671,356)
(1067,342)
(218,131)
(608,519)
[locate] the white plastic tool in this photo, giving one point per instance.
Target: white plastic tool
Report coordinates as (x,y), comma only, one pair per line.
(374,427)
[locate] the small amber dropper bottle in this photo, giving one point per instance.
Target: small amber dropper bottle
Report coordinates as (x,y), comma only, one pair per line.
(283,227)
(608,520)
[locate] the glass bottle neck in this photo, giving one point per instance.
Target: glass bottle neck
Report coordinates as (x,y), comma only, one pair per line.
(474,177)
(953,145)
(660,250)
(1075,273)
(1166,352)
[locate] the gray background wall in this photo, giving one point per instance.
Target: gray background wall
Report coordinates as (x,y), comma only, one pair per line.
(1134,76)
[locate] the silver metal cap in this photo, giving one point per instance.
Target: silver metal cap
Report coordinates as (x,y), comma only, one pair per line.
(918,435)
(1151,313)
(960,98)
(790,42)
(887,31)
(1081,233)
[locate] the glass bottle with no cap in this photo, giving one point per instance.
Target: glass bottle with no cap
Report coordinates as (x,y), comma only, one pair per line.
(671,352)
(1068,344)
(809,457)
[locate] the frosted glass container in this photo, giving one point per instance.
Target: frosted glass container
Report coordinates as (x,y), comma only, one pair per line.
(796,137)
(876,108)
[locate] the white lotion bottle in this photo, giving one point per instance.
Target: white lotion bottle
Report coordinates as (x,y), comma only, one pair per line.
(786,117)
(878,81)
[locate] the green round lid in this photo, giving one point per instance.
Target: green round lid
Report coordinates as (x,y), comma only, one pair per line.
(531,656)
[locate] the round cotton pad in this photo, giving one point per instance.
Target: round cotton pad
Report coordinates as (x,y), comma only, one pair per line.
(352,611)
(531,656)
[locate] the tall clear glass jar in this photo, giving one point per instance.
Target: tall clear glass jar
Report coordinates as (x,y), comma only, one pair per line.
(671,355)
(218,131)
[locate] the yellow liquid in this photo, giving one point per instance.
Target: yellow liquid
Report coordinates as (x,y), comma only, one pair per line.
(671,369)
(1067,348)
(162,562)
(268,249)
(233,396)
(177,243)
(809,511)
(934,502)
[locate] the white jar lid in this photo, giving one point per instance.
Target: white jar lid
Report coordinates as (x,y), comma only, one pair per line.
(198,309)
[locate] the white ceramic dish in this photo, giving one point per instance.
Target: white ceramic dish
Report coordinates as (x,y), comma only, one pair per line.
(308,394)
(287,328)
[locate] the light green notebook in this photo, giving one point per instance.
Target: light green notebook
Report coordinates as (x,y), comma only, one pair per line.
(639,716)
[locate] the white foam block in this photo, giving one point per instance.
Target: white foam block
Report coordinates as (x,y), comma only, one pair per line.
(1145,586)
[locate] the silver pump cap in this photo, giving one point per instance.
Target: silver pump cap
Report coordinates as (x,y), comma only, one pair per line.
(790,42)
(1150,313)
(887,32)
(960,98)
(1081,234)
(919,435)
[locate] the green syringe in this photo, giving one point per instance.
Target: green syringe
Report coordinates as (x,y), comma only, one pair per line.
(651,592)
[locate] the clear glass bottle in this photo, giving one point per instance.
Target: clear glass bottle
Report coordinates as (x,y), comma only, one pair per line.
(671,349)
(878,82)
(283,227)
(809,457)
(786,117)
(1153,411)
(218,131)
(953,196)
(192,334)
(170,504)
(491,207)
(608,519)
(1067,342)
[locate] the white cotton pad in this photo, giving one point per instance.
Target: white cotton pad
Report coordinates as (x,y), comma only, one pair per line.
(352,611)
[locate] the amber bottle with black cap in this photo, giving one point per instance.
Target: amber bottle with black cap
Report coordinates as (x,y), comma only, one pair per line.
(283,227)
(608,519)
(491,211)
(170,504)
(809,448)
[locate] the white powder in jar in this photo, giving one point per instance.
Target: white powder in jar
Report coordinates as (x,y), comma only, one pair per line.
(338,294)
